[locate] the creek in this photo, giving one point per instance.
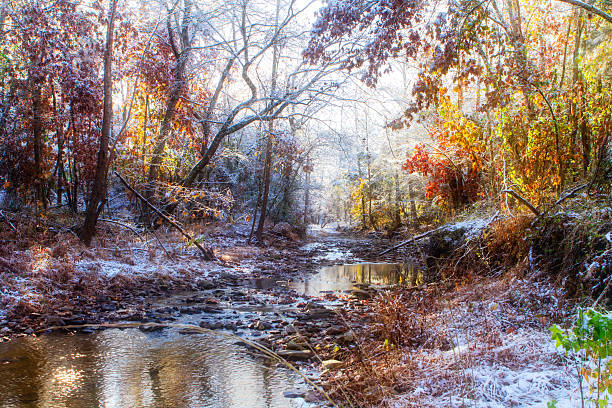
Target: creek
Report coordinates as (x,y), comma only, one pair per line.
(170,367)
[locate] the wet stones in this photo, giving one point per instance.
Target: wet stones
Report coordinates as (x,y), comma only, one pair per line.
(295,345)
(317,313)
(211,309)
(260,325)
(205,284)
(295,355)
(293,394)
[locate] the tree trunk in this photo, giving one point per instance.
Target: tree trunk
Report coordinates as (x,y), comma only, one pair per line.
(38,136)
(60,151)
(413,210)
(98,191)
(269,142)
(307,193)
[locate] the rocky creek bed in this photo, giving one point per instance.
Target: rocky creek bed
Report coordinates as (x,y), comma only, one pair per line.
(291,298)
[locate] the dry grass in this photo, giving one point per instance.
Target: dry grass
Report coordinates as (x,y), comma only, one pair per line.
(44,269)
(441,335)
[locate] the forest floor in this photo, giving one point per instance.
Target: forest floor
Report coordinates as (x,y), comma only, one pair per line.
(474,341)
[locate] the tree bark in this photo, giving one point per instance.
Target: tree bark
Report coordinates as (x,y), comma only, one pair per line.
(269,142)
(38,136)
(60,151)
(98,191)
(307,193)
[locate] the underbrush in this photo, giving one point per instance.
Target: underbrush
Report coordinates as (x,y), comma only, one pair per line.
(572,248)
(46,274)
(456,341)
(476,334)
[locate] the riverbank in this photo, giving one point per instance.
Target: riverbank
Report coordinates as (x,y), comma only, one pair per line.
(412,334)
(53,280)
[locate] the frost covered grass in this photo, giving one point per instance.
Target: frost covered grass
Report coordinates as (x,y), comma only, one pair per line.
(479,344)
(50,273)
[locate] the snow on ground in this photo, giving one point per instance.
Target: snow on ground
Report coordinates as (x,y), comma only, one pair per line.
(526,370)
(500,355)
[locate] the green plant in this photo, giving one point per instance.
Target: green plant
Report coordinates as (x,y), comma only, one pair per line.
(590,340)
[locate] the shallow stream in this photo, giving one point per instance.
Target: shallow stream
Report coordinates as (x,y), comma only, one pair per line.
(134,368)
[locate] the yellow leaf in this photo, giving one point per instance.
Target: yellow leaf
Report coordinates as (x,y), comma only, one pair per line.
(6,184)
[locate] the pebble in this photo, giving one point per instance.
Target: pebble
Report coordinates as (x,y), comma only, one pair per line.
(295,354)
(332,364)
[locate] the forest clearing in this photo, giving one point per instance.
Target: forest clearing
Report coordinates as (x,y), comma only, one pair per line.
(296,203)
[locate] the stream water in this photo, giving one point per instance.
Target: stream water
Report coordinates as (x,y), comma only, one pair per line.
(129,368)
(132,368)
(342,278)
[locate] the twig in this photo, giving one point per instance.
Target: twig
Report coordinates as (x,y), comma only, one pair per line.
(161,245)
(124,226)
(207,252)
(603,293)
(5,218)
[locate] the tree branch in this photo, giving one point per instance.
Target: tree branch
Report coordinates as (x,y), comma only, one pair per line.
(522,200)
(207,252)
(590,8)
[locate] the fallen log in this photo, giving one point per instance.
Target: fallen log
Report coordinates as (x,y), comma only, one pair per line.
(426,234)
(207,252)
(413,239)
(522,200)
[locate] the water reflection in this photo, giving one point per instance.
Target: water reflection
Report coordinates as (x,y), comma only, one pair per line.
(343,277)
(129,368)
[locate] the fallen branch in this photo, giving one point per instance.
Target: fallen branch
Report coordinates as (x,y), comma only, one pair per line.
(603,293)
(569,194)
(414,238)
(522,200)
(426,234)
(124,226)
(207,252)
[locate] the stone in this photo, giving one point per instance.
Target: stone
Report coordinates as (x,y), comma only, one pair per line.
(258,325)
(293,345)
(205,284)
(293,394)
(336,329)
(332,364)
(210,309)
(295,354)
(347,338)
(360,294)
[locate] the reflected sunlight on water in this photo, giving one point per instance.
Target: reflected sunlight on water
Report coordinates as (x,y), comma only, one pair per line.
(340,278)
(129,368)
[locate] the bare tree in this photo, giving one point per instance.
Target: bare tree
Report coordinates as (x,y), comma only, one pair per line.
(182,52)
(98,191)
(246,46)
